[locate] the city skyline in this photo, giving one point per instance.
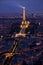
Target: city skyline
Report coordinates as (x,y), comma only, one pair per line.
(15,6)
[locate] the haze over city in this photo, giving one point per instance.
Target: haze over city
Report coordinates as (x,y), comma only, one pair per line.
(13,6)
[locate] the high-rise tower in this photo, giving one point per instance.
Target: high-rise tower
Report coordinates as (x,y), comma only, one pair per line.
(24,22)
(23,25)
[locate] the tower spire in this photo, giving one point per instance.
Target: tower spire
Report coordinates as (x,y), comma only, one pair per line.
(24,14)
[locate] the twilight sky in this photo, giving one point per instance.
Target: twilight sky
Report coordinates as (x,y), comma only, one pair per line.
(14,6)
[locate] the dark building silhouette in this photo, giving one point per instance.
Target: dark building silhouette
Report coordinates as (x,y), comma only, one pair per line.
(24,63)
(39,62)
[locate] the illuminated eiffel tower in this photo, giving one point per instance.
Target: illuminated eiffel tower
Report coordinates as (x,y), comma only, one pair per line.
(23,25)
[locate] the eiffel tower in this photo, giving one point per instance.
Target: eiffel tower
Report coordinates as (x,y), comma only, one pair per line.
(23,25)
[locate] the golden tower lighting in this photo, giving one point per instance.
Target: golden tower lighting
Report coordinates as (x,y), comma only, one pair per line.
(24,22)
